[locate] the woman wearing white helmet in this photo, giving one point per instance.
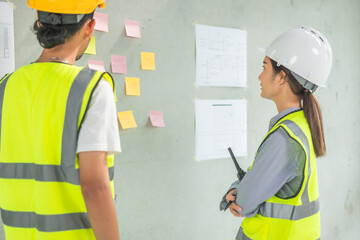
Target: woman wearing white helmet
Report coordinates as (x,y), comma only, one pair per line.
(279,194)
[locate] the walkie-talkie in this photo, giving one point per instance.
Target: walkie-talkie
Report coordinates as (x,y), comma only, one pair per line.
(240,173)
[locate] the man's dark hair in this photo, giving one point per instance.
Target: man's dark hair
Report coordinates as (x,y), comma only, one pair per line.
(50,35)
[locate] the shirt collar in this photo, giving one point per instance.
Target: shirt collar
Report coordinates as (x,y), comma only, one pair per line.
(280,115)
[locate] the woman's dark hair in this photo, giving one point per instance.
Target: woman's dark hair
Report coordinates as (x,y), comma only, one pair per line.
(50,35)
(311,109)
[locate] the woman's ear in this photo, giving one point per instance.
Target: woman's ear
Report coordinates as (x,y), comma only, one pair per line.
(281,77)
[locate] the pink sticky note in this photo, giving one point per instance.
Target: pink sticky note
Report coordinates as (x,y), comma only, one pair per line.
(157,119)
(96,65)
(101,22)
(118,64)
(132,28)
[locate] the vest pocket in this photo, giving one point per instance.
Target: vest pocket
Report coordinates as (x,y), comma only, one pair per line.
(256,227)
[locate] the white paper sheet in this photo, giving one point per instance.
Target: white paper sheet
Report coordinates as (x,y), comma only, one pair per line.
(220,124)
(220,56)
(7,53)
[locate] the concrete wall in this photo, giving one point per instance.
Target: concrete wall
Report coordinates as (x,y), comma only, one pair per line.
(162,192)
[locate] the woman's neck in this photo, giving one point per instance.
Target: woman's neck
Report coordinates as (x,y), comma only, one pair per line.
(283,106)
(286,100)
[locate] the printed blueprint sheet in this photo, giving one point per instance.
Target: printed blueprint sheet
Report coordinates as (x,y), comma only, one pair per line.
(220,124)
(220,56)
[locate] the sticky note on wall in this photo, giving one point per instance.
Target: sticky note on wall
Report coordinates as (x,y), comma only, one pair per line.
(147,61)
(132,86)
(102,20)
(157,118)
(132,28)
(118,64)
(96,65)
(91,49)
(127,120)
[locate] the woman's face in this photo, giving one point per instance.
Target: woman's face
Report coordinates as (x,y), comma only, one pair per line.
(269,88)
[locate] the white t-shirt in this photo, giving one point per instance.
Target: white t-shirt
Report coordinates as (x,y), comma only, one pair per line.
(99,130)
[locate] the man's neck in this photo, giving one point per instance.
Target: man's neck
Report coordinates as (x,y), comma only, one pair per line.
(62,53)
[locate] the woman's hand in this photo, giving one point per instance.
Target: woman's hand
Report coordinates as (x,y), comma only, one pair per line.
(230,197)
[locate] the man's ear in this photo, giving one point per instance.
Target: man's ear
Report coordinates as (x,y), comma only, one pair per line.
(89,28)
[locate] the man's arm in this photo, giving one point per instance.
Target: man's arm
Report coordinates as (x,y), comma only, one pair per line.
(95,187)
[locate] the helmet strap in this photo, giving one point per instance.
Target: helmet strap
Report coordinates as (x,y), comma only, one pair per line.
(59,19)
(305,83)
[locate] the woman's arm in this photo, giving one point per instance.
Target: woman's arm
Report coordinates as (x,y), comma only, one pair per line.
(276,163)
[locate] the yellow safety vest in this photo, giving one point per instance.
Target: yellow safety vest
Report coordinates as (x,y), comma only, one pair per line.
(298,217)
(42,107)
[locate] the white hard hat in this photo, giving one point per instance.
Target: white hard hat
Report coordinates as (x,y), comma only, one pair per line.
(306,53)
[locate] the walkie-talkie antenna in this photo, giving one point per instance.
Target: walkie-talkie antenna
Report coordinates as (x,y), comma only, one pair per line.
(240,172)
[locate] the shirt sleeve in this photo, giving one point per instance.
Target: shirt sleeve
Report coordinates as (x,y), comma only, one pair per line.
(223,202)
(275,164)
(99,130)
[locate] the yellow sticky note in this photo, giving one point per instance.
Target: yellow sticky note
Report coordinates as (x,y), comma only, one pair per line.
(127,120)
(132,86)
(91,49)
(147,61)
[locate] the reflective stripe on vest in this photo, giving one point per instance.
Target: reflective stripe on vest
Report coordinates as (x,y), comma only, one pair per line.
(45,173)
(300,134)
(289,212)
(46,223)
(2,91)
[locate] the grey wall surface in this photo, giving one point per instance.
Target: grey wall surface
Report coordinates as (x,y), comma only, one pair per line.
(162,192)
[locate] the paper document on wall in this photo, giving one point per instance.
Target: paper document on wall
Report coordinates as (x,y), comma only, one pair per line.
(7,52)
(220,56)
(220,124)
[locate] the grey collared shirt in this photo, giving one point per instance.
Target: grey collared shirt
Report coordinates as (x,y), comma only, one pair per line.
(277,170)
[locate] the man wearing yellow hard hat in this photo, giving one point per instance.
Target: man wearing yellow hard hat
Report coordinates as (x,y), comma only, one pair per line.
(58,134)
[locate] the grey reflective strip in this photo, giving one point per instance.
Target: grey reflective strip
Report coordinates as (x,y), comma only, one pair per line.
(32,171)
(111,173)
(241,235)
(289,212)
(46,173)
(46,223)
(2,92)
(70,131)
(301,135)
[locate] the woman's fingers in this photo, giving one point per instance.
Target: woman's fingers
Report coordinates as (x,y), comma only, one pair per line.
(235,210)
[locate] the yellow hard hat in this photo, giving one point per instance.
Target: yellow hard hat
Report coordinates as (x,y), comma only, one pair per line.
(66,6)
